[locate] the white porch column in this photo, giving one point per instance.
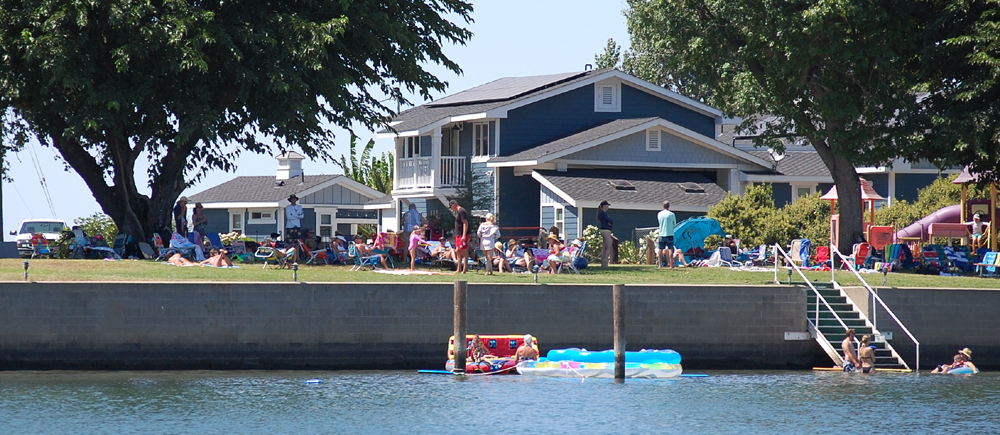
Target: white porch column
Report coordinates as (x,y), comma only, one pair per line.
(734,182)
(395,161)
(892,189)
(436,157)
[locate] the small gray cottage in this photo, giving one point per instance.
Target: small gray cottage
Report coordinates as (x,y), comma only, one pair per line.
(254,205)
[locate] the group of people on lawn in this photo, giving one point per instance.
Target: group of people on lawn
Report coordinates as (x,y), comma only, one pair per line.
(498,256)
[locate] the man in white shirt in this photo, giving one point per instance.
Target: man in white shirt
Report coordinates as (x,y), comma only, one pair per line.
(293,216)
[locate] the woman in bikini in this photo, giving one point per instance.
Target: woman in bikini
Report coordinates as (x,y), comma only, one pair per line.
(867,355)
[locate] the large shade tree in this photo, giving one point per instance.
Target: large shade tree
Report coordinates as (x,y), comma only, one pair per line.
(179,88)
(962,70)
(837,73)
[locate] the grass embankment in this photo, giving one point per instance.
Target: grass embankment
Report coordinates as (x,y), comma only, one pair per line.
(97,270)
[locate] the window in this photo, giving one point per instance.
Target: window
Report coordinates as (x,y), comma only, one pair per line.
(325,225)
(561,220)
(607,97)
(411,147)
(801,190)
(237,222)
(262,217)
(652,140)
(452,149)
(481,139)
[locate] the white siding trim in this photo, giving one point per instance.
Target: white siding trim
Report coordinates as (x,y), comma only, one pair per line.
(552,187)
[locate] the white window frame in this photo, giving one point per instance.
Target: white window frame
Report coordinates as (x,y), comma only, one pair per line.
(233,213)
(559,219)
(795,189)
(481,139)
(600,93)
(411,147)
(320,212)
(262,220)
(650,135)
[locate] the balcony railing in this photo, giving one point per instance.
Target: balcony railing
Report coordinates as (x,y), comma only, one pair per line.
(415,173)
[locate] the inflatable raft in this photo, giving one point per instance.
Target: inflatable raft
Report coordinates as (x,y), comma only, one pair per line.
(962,371)
(500,358)
(581,363)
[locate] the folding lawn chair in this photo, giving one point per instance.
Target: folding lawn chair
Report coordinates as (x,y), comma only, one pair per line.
(794,250)
(268,253)
(360,261)
(988,266)
(214,240)
(571,264)
(164,252)
(312,256)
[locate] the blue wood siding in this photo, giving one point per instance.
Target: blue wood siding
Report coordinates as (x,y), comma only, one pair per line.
(782,194)
(518,202)
(570,225)
(673,149)
(573,111)
(548,217)
(421,204)
(336,195)
(822,188)
(907,185)
(218,221)
(259,231)
(879,182)
(308,220)
(549,197)
(486,182)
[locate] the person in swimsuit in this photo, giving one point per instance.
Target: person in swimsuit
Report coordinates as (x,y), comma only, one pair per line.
(867,355)
(851,362)
(478,349)
(960,360)
(179,260)
(526,352)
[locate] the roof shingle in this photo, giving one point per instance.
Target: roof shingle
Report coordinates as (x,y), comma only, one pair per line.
(651,187)
(259,188)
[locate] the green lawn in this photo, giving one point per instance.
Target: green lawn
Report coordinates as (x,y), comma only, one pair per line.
(98,270)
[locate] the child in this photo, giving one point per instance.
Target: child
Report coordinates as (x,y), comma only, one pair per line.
(415,242)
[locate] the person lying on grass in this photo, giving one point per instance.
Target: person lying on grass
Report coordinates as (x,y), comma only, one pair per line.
(218,258)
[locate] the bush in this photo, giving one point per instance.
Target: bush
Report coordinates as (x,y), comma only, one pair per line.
(810,219)
(753,218)
(630,253)
(592,235)
(98,223)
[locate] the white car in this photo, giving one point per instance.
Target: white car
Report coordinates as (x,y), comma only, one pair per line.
(51,229)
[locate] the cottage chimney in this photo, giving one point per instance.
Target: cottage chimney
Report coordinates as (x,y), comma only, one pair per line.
(289,165)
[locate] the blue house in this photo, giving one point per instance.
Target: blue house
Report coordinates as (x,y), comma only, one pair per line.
(254,205)
(553,147)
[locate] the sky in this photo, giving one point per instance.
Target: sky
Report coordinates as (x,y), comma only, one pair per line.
(511,38)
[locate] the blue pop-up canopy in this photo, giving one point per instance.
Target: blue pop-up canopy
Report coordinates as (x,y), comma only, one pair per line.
(691,233)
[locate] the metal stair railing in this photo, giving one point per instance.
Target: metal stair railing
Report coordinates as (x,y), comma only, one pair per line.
(916,366)
(814,325)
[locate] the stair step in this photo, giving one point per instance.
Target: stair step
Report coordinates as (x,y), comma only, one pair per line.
(851,323)
(829,299)
(824,314)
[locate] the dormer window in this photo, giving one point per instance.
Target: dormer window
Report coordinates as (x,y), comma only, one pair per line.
(607,96)
(653,140)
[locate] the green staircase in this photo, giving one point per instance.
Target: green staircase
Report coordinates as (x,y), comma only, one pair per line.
(829,327)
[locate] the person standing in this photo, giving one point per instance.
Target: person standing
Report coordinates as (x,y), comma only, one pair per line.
(293,218)
(488,234)
(866,354)
(411,220)
(851,362)
(461,236)
(180,216)
(198,219)
(667,221)
(606,237)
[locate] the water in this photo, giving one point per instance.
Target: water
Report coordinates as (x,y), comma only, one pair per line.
(257,402)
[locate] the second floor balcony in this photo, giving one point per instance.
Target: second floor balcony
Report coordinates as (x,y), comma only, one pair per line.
(423,173)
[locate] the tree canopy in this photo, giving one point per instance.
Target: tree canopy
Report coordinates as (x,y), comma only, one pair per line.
(191,85)
(838,73)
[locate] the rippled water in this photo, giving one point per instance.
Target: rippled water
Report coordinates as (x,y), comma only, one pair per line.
(396,402)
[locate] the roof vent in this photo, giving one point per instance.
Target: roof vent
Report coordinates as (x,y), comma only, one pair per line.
(691,187)
(621,184)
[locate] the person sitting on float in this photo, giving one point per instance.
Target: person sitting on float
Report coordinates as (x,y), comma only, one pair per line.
(478,349)
(961,359)
(526,352)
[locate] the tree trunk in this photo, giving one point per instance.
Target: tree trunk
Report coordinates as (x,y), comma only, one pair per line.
(845,177)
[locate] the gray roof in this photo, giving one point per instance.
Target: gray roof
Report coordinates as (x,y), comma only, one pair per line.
(383,200)
(651,186)
(260,188)
(797,164)
(503,89)
(420,116)
(593,133)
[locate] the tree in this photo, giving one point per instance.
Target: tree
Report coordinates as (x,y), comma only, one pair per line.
(376,173)
(611,56)
(961,69)
(192,85)
(837,73)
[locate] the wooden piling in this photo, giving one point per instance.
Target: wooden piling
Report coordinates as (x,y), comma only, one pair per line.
(619,298)
(461,293)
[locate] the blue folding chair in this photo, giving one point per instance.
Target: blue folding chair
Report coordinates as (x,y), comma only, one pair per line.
(988,266)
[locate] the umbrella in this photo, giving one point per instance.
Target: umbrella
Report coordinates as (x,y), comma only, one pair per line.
(691,233)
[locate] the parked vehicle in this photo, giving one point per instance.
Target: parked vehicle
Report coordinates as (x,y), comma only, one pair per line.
(51,229)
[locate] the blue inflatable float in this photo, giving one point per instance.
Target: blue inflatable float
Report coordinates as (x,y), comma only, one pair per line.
(645,356)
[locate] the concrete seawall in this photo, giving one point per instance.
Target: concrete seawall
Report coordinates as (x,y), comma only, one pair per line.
(406,326)
(380,326)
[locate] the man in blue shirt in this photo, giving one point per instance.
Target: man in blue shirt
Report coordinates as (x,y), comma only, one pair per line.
(666,243)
